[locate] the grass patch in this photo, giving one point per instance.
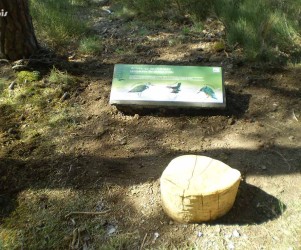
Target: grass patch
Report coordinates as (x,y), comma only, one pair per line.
(39,222)
(197,27)
(45,210)
(122,241)
(3,85)
(153,8)
(36,106)
(29,76)
(185,31)
(267,30)
(65,117)
(219,46)
(91,45)
(61,78)
(58,22)
(121,11)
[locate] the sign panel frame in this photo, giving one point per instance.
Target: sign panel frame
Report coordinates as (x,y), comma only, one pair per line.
(168,86)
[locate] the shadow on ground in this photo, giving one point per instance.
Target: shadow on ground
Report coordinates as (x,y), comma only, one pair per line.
(237,105)
(88,172)
(252,206)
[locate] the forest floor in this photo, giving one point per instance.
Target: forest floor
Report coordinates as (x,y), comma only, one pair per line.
(80,154)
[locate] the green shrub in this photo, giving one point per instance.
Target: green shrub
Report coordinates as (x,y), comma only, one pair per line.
(197,9)
(266,30)
(145,9)
(150,8)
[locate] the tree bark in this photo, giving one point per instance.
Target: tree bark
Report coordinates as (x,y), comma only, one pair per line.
(17,37)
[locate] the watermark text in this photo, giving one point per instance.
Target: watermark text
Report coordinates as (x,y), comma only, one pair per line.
(3,13)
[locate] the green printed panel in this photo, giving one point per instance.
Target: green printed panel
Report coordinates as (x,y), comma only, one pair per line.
(160,85)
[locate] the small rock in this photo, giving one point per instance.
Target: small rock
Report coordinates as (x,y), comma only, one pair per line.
(100,206)
(123,142)
(22,117)
(65,96)
(171,222)
(244,237)
(218,229)
(228,236)
(4,61)
(230,66)
(220,33)
(12,131)
(275,104)
(111,229)
(136,116)
(291,138)
(231,121)
(235,233)
(85,245)
(135,191)
(231,246)
(100,132)
(12,85)
(156,236)
(20,67)
(73,222)
(200,234)
(263,167)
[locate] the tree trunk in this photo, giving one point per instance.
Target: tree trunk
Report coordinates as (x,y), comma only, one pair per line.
(17,38)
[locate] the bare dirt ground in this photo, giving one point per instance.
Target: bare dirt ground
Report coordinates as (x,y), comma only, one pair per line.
(110,161)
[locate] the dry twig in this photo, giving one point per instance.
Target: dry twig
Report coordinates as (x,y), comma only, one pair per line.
(294,116)
(143,242)
(87,213)
(285,160)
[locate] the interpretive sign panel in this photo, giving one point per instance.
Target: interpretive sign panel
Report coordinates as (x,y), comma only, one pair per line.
(164,85)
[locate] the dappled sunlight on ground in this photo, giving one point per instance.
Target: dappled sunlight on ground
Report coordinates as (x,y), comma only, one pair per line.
(83,155)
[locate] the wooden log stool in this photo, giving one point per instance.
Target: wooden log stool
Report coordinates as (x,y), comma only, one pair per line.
(198,188)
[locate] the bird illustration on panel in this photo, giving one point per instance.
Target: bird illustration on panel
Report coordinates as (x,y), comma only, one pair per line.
(175,88)
(140,88)
(208,91)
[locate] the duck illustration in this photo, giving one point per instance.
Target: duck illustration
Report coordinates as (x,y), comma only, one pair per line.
(175,88)
(208,91)
(140,88)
